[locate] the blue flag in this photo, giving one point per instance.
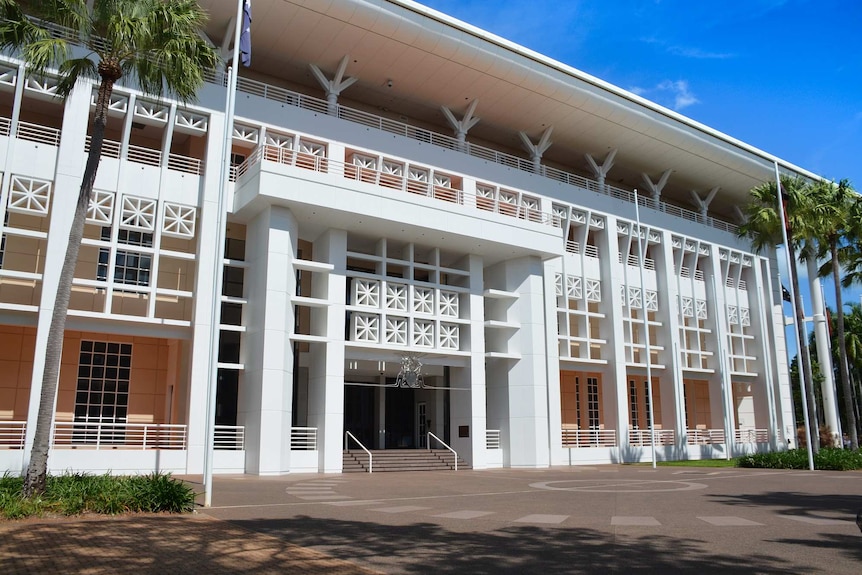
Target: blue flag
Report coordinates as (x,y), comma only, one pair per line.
(245,35)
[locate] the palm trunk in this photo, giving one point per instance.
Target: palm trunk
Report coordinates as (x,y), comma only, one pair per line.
(37,470)
(849,415)
(808,379)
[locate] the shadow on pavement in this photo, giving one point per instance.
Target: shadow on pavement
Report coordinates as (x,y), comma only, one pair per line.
(428,548)
(165,544)
(795,503)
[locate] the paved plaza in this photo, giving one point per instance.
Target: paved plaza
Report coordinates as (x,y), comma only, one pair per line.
(608,519)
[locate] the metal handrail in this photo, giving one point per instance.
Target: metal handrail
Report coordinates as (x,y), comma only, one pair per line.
(359,443)
(443,443)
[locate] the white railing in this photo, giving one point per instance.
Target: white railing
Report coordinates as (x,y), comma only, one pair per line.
(39,134)
(751,435)
(492,439)
(347,437)
(229,438)
(110,148)
(12,434)
(589,437)
(142,155)
(320,106)
(641,437)
(184,164)
(5,126)
(385,180)
(443,443)
(633,260)
(303,438)
(705,436)
(101,435)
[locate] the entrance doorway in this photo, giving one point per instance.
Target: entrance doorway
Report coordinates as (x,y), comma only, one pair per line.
(400,425)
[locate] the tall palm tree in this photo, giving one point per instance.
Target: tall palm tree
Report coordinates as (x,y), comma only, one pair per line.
(763,228)
(837,217)
(853,338)
(154,45)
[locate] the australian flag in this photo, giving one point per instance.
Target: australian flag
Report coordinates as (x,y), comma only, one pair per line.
(245,35)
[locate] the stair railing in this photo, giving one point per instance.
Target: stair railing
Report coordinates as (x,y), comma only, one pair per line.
(347,435)
(443,443)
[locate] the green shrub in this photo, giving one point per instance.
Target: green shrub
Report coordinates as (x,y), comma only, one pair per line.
(73,494)
(826,459)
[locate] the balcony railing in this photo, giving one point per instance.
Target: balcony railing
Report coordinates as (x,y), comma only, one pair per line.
(385,180)
(38,134)
(320,106)
(589,437)
(103,435)
(705,436)
(751,435)
(303,438)
(641,437)
(492,439)
(12,434)
(149,157)
(229,438)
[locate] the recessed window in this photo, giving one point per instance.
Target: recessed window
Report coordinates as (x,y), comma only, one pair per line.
(130,267)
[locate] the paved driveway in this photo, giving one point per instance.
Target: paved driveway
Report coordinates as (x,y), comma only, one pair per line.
(613,519)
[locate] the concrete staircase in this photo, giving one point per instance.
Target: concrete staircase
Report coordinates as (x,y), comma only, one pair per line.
(356,460)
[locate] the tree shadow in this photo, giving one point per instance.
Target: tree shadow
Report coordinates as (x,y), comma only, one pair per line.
(430,548)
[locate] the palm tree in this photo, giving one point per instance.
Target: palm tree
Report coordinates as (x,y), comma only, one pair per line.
(153,44)
(837,216)
(763,228)
(853,338)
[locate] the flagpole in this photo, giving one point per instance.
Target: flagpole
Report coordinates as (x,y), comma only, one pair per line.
(789,252)
(218,263)
(647,349)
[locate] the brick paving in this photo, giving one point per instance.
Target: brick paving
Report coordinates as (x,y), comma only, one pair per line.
(163,544)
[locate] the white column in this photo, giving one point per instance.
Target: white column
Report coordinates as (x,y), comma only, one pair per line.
(462,126)
(668,298)
(528,377)
(601,171)
(536,150)
(824,351)
(655,188)
(326,365)
(467,408)
(67,184)
(265,405)
(334,87)
(613,277)
(207,251)
(557,455)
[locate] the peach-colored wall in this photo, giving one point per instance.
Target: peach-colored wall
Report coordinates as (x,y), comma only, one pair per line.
(17,345)
(151,371)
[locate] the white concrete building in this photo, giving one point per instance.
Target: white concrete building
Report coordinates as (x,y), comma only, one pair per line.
(372,216)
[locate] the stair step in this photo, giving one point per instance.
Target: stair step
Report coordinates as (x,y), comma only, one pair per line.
(394,460)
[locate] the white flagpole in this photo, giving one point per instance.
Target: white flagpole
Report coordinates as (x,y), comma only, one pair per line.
(647,350)
(218,263)
(789,252)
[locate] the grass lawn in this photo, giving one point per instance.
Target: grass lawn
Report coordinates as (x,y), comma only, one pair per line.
(693,463)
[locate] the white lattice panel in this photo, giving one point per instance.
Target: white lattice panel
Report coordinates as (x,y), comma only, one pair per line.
(138,213)
(423,333)
(245,133)
(392,168)
(29,196)
(594,290)
(701,309)
(396,297)
(361,161)
(744,316)
(449,336)
(151,111)
(574,287)
(634,297)
(732,315)
(651,300)
(191,121)
(687,307)
(558,284)
(179,221)
(312,148)
(282,141)
(396,331)
(366,328)
(448,304)
(101,208)
(423,300)
(366,293)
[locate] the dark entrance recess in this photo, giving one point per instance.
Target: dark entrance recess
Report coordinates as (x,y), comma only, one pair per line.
(227,388)
(400,418)
(359,414)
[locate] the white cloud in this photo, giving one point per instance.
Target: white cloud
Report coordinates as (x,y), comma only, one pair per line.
(698,54)
(683,97)
(674,94)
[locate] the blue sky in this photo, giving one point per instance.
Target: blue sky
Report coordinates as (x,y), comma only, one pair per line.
(782,75)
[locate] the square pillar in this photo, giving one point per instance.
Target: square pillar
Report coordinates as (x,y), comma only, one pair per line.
(326,359)
(265,403)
